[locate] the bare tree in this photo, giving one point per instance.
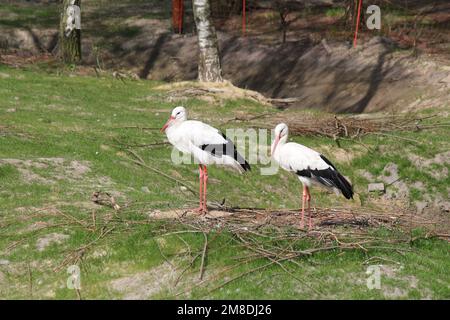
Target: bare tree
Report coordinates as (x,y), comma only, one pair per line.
(69,31)
(285,8)
(351,13)
(209,69)
(283,11)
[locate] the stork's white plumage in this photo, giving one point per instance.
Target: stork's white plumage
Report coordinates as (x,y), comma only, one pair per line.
(207,144)
(310,166)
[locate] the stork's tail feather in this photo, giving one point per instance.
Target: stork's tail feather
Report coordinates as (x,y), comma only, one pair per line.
(338,180)
(343,185)
(246,166)
(242,162)
(232,151)
(330,178)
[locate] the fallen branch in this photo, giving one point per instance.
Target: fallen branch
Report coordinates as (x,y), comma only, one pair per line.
(76,255)
(205,247)
(30,280)
(105,199)
(142,163)
(163,255)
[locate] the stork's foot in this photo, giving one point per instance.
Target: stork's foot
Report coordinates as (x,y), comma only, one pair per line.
(200,211)
(310,223)
(302,224)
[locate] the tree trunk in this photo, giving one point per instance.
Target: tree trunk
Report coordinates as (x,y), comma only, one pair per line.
(70,31)
(351,14)
(209,69)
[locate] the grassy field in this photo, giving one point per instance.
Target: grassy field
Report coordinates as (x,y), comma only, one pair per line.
(64,136)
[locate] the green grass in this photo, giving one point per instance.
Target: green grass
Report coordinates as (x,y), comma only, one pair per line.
(335,12)
(57,114)
(31,16)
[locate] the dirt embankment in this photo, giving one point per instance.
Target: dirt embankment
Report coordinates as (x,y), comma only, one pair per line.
(328,76)
(376,76)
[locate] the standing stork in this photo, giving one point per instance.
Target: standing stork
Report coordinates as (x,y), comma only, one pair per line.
(310,166)
(207,144)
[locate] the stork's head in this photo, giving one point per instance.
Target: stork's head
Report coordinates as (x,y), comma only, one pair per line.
(281,134)
(179,114)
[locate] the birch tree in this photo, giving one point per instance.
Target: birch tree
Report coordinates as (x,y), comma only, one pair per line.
(69,44)
(209,69)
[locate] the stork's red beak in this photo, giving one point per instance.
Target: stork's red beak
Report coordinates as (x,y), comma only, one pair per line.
(171,118)
(277,139)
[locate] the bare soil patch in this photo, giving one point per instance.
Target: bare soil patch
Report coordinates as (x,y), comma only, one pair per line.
(51,238)
(143,285)
(439,159)
(50,171)
(60,169)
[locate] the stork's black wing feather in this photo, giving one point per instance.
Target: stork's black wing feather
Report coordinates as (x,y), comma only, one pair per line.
(329,177)
(228,149)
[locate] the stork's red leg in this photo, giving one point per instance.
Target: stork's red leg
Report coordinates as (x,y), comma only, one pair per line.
(205,181)
(201,177)
(303,206)
(308,198)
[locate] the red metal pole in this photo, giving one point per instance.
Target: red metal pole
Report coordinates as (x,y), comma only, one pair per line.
(177,15)
(357,24)
(180,18)
(243,17)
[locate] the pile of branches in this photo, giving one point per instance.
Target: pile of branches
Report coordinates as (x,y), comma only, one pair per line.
(272,223)
(357,126)
(274,238)
(322,218)
(345,127)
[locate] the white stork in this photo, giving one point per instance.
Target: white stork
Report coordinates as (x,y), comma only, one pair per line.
(310,166)
(207,144)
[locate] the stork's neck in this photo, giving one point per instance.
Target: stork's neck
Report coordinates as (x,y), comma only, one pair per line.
(280,144)
(173,127)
